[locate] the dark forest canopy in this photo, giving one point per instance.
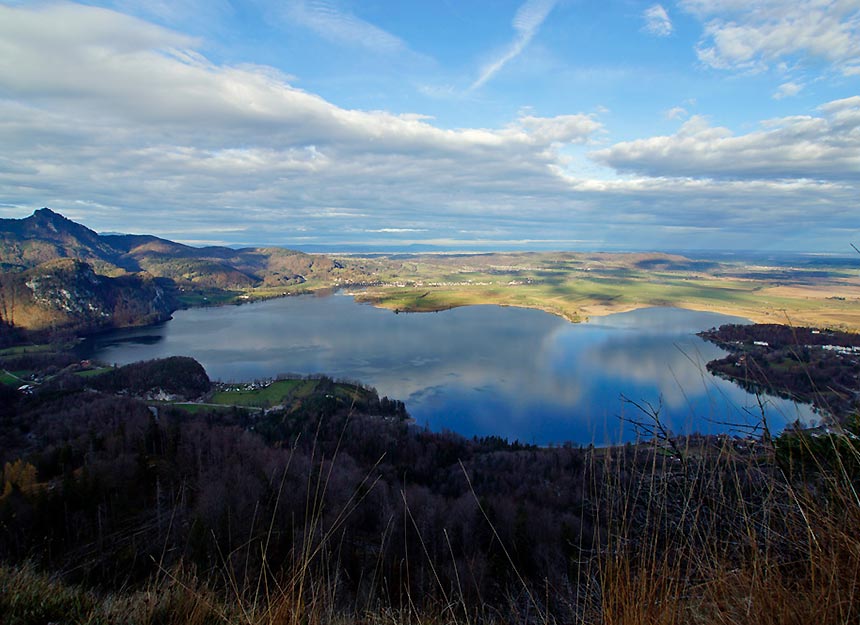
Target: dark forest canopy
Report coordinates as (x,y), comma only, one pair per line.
(111,491)
(178,376)
(779,335)
(820,367)
(108,481)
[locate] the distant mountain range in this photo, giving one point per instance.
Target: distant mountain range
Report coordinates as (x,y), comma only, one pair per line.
(60,274)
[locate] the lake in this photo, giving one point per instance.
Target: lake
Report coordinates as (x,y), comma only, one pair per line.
(479,370)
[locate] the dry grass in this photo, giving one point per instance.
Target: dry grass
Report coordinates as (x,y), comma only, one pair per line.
(743,544)
(28,596)
(732,539)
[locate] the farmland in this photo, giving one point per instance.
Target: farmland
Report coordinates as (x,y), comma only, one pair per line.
(577,286)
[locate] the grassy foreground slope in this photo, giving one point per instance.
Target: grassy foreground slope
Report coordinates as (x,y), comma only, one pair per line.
(731,539)
(579,285)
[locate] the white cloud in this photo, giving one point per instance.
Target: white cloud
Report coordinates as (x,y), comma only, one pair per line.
(787,90)
(396,230)
(818,147)
(676,112)
(125,126)
(104,106)
(561,129)
(526,23)
(112,69)
(177,11)
(657,21)
(757,35)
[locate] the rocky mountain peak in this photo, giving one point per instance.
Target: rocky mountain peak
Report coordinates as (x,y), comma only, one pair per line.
(46,219)
(45,213)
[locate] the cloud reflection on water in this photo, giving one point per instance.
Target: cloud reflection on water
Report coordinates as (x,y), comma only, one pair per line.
(479,370)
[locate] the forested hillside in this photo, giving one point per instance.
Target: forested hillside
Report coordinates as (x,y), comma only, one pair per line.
(819,367)
(67,294)
(347,511)
(57,274)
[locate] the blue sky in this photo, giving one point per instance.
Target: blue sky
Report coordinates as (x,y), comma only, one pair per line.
(538,124)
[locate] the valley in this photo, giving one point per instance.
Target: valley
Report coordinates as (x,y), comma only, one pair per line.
(127,483)
(47,249)
(330,312)
(577,286)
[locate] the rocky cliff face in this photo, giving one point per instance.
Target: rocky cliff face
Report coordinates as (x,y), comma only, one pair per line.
(68,294)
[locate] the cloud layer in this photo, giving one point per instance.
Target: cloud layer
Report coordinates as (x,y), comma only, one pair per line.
(329,20)
(657,21)
(822,147)
(126,126)
(129,110)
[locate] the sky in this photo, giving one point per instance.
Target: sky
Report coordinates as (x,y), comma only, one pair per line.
(459,124)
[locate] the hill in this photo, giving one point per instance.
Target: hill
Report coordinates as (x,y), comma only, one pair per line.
(69,294)
(574,285)
(46,236)
(119,509)
(175,377)
(55,273)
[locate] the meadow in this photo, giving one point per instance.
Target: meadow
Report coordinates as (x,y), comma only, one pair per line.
(285,392)
(577,286)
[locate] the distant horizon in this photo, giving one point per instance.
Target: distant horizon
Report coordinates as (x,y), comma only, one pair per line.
(417,248)
(679,124)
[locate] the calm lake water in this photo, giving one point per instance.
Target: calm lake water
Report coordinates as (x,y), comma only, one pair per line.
(517,373)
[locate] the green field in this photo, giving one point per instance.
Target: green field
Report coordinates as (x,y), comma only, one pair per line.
(272,395)
(9,380)
(283,393)
(578,286)
(16,378)
(198,408)
(29,349)
(207,297)
(91,373)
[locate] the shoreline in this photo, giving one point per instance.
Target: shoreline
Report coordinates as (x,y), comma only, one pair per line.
(583,315)
(589,311)
(607,310)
